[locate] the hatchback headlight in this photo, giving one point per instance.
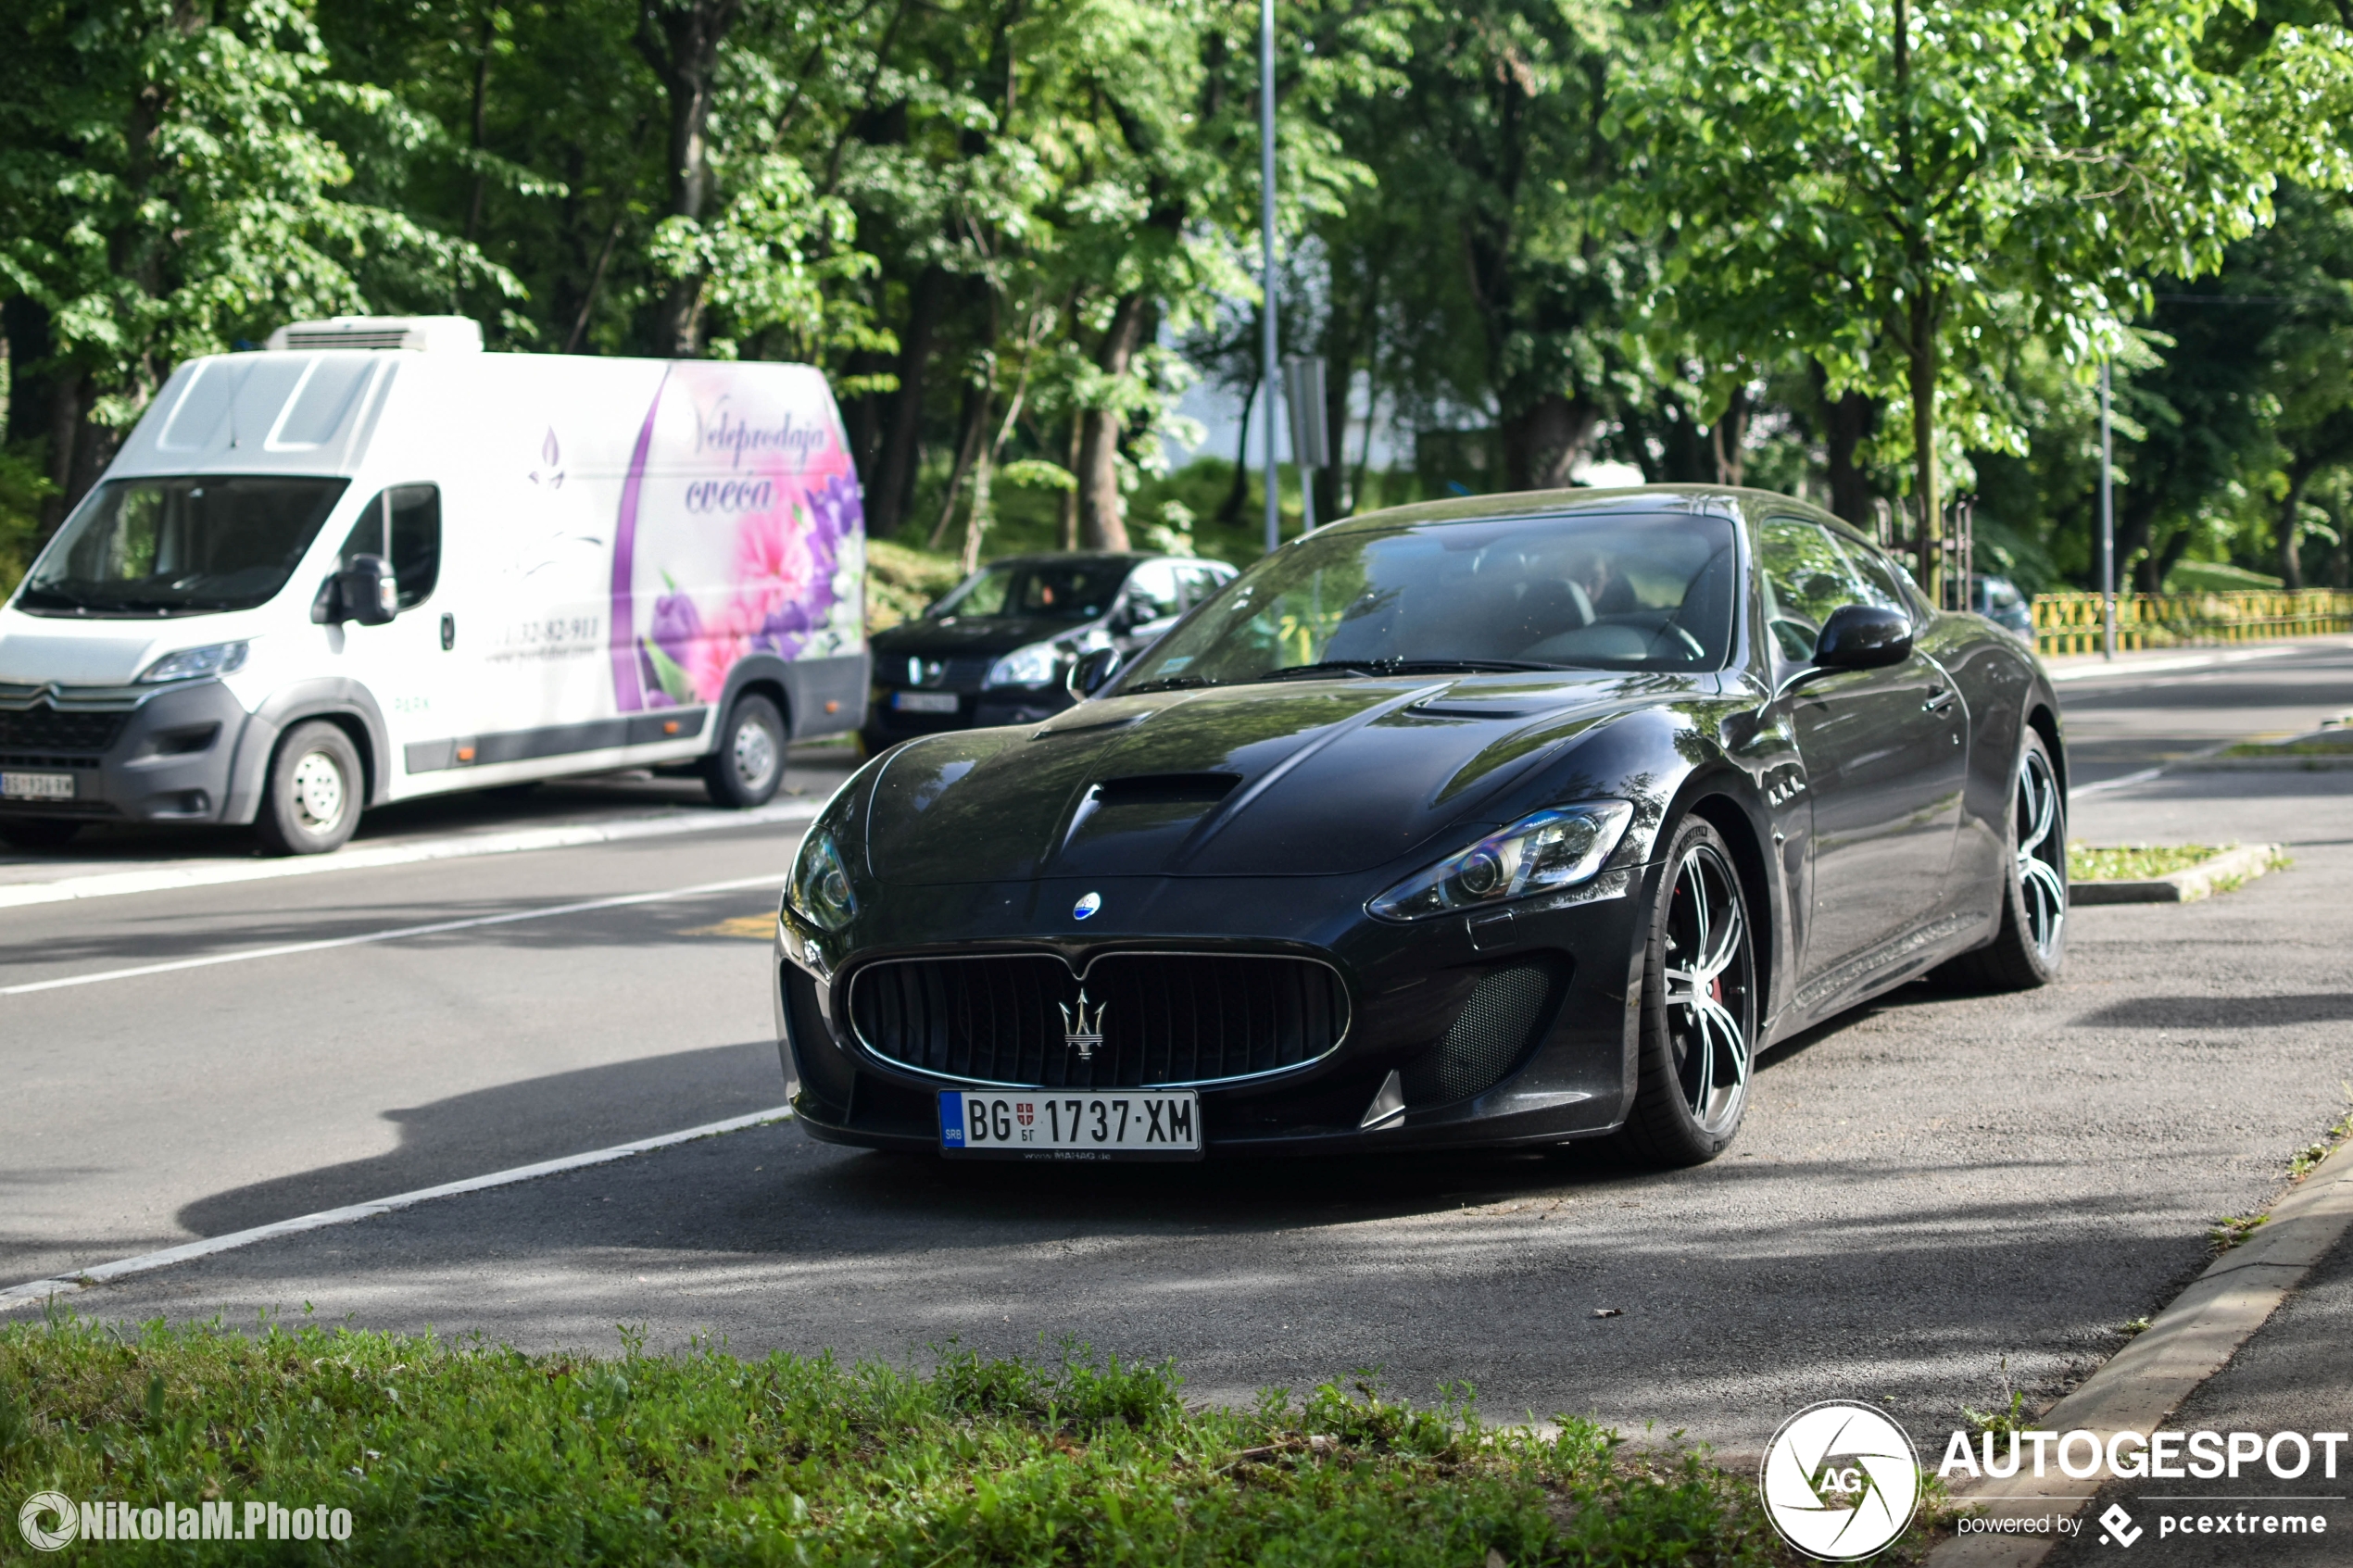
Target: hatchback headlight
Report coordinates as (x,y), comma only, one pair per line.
(1540,854)
(192,664)
(821,884)
(1032,666)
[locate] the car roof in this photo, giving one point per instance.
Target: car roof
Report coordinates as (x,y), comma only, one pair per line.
(1720,500)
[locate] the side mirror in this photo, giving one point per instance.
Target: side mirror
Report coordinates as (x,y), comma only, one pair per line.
(365,591)
(1863,638)
(1093,671)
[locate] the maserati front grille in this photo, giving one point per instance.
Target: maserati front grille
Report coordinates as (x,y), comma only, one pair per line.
(1139,1020)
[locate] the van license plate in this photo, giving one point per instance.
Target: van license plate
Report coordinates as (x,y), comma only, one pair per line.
(925,702)
(1037,1124)
(36,787)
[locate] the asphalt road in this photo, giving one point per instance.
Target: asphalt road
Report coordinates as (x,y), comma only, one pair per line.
(1929,1195)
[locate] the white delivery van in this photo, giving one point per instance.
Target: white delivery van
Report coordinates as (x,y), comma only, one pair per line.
(376,562)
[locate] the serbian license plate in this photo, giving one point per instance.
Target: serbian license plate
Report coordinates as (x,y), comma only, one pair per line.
(36,787)
(924,702)
(1071,1126)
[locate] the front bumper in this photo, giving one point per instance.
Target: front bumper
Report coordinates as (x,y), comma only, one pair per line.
(164,754)
(975,711)
(1411,988)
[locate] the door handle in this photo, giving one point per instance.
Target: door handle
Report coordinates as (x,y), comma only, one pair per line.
(448,633)
(1941,698)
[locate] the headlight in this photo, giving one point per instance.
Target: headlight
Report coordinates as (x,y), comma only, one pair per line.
(1543,854)
(1032,666)
(821,885)
(189,664)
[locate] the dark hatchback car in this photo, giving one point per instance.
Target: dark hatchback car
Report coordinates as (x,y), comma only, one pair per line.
(998,648)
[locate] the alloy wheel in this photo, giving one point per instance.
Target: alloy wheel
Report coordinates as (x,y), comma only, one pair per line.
(2041,876)
(1711,978)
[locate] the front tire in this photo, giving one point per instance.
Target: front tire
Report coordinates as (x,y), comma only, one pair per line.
(1698,1022)
(312,802)
(2032,943)
(749,764)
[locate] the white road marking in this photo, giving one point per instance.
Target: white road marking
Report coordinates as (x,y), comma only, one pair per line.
(41,1289)
(107,885)
(772,879)
(2124,783)
(2186,661)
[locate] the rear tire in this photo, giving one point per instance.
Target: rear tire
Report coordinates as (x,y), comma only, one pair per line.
(1698,1021)
(2032,943)
(312,800)
(749,764)
(35,834)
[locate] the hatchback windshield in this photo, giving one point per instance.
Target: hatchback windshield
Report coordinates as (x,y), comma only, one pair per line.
(1032,590)
(177,547)
(1601,592)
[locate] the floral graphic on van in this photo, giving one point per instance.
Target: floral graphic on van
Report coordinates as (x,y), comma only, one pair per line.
(762,556)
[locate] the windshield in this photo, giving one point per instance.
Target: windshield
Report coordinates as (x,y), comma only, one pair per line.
(1031,589)
(177,547)
(1599,592)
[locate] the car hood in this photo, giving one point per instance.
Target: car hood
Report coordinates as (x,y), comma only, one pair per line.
(981,636)
(1313,778)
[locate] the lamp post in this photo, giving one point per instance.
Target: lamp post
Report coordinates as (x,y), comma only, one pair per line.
(2108,528)
(1269,376)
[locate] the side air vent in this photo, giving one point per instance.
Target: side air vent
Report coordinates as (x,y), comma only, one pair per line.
(1166,789)
(1491,1036)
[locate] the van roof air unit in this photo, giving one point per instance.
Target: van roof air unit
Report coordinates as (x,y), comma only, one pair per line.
(433,335)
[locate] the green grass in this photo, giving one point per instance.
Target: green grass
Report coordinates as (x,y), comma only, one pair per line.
(2338,742)
(2133,863)
(475,1453)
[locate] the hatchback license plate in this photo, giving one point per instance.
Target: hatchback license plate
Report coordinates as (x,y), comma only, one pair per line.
(925,702)
(1038,1125)
(36,787)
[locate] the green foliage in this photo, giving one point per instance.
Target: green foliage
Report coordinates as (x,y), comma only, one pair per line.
(22,489)
(476,1454)
(2133,863)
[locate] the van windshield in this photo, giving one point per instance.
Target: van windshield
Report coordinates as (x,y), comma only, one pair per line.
(179,546)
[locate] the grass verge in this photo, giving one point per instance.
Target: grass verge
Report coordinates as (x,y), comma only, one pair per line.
(2134,862)
(2338,742)
(475,1453)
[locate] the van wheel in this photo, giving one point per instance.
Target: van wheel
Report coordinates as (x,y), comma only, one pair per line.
(39,833)
(312,802)
(750,762)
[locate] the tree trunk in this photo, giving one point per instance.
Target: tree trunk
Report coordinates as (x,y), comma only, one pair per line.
(1066,513)
(680,43)
(2291,528)
(895,466)
(1544,441)
(1103,523)
(1922,365)
(975,426)
(1725,436)
(1238,493)
(1847,422)
(483,34)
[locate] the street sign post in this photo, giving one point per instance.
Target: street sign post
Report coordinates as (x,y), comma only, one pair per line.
(1310,436)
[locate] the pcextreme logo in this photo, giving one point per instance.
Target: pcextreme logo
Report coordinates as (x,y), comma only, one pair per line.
(1840,1481)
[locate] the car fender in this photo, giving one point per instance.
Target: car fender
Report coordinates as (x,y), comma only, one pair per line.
(327,696)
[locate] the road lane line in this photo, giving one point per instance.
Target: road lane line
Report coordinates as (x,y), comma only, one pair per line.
(772,879)
(2188,661)
(40,1290)
(107,885)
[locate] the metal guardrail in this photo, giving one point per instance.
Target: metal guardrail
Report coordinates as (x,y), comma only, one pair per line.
(2071,622)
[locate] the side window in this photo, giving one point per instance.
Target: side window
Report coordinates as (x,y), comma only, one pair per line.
(403,525)
(1151,592)
(1198,583)
(1805,575)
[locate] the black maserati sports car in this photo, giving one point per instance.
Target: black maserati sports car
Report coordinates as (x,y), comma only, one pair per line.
(1507,821)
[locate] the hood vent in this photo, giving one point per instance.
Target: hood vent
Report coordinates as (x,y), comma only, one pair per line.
(1165,789)
(432,334)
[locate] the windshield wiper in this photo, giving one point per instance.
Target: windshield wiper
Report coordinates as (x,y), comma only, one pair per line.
(1170,684)
(1370,667)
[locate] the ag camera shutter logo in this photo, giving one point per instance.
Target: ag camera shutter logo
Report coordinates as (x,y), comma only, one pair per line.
(1841,1480)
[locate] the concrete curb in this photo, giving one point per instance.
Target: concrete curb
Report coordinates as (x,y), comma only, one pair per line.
(2191,1340)
(2191,882)
(2288,765)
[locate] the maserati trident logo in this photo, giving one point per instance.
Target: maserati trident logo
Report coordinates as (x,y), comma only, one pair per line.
(1082,1033)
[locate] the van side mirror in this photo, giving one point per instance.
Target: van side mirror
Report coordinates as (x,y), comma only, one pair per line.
(1863,638)
(365,591)
(1093,672)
